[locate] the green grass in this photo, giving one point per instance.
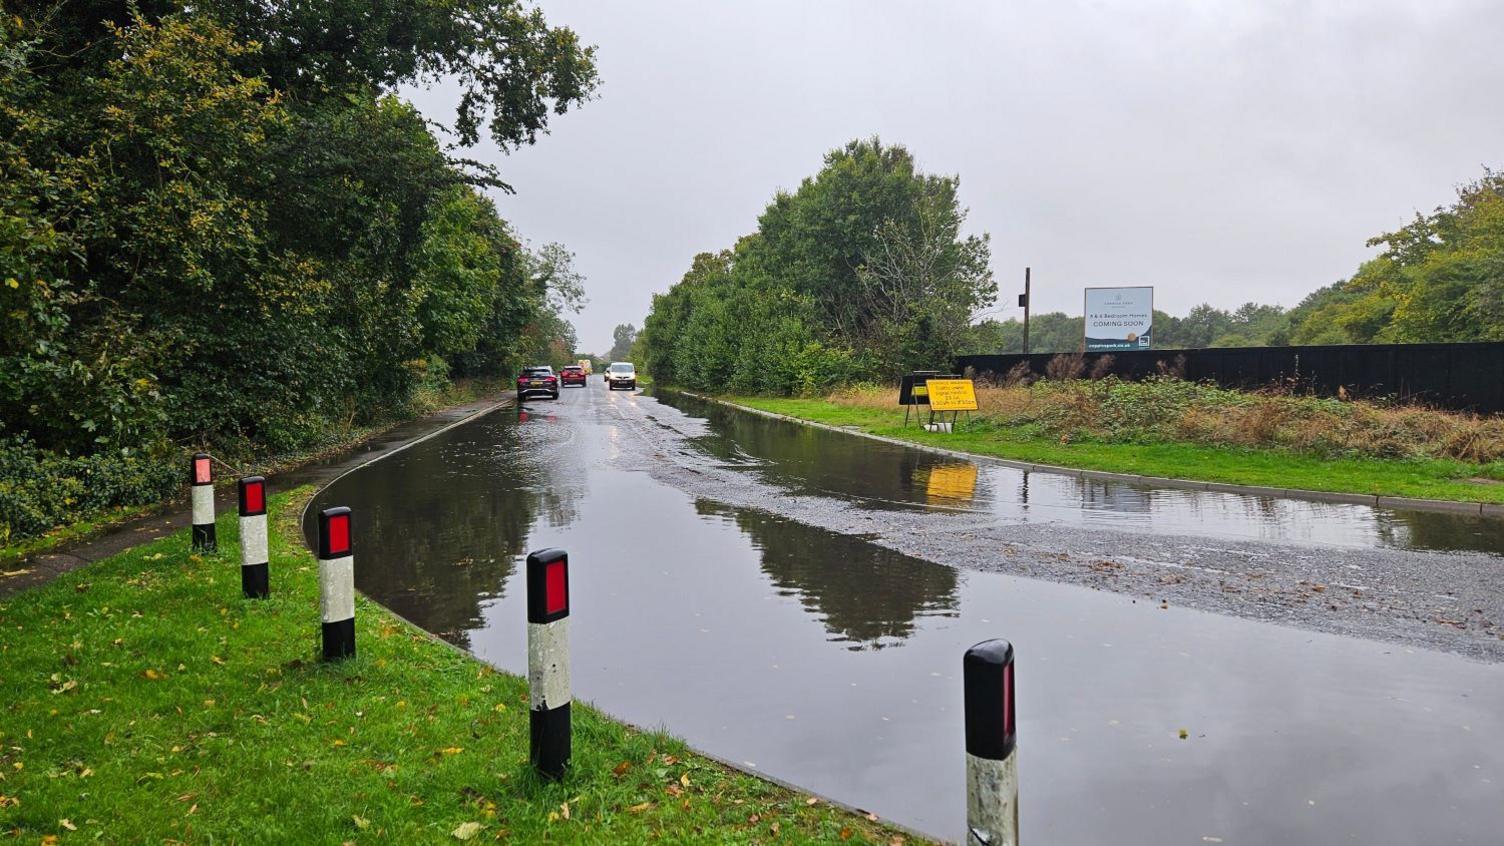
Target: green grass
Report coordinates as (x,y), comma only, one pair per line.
(1424,479)
(142,700)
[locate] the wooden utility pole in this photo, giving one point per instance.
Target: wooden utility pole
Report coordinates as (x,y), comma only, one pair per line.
(1023,300)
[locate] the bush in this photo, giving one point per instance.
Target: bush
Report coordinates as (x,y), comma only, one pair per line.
(40,489)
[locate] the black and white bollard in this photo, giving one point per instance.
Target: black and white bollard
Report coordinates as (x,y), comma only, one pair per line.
(548,661)
(337,583)
(254,578)
(201,477)
(991,745)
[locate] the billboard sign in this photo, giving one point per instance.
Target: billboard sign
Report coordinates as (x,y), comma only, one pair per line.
(1119,318)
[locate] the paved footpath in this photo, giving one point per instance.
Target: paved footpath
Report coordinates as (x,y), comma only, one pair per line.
(43,567)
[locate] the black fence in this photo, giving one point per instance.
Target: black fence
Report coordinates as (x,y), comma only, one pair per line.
(1461,377)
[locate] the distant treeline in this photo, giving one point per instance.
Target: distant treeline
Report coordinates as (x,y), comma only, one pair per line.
(861,273)
(218,227)
(1438,280)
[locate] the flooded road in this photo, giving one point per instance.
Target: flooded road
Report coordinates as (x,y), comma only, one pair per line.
(806,460)
(833,662)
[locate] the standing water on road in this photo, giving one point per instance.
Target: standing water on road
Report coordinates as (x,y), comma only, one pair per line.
(807,460)
(834,663)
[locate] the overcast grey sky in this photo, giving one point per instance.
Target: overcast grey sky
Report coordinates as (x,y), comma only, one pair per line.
(1221,152)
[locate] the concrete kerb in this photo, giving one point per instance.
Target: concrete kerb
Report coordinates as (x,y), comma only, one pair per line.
(1471,509)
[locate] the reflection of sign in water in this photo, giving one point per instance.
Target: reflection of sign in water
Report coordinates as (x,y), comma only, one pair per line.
(952,395)
(951,482)
(1119,318)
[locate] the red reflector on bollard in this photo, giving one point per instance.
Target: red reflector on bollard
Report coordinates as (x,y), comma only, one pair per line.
(556,588)
(203,474)
(339,534)
(252,496)
(334,533)
(1008,709)
(547,586)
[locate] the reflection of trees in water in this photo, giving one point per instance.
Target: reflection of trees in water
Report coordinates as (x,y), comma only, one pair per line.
(803,459)
(1115,496)
(865,594)
(1436,530)
(440,526)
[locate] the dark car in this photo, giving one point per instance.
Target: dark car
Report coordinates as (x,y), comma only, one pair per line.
(572,374)
(538,380)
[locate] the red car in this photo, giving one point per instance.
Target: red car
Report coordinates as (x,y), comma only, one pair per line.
(572,374)
(538,380)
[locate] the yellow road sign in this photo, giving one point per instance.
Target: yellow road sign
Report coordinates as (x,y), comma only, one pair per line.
(952,395)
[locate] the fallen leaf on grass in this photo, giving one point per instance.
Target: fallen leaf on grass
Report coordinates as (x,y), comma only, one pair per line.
(68,824)
(674,791)
(466,831)
(774,829)
(361,822)
(684,779)
(637,809)
(452,750)
(620,769)
(154,675)
(811,800)
(846,833)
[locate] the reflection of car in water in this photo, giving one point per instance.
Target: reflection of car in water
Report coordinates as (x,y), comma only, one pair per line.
(572,374)
(538,380)
(621,374)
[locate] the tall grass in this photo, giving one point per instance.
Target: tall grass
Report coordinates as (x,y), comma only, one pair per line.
(1166,409)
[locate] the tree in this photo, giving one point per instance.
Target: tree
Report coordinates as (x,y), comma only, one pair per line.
(513,69)
(861,272)
(219,227)
(624,335)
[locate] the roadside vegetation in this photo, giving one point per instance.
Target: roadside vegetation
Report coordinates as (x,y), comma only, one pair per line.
(1173,428)
(863,272)
(1439,279)
(142,700)
(39,487)
(220,229)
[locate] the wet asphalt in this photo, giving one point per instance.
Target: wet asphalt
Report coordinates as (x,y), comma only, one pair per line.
(1424,579)
(797,602)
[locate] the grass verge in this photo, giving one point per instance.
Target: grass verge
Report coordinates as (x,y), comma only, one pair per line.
(1420,478)
(142,700)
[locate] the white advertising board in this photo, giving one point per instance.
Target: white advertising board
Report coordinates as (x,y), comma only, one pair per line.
(1119,318)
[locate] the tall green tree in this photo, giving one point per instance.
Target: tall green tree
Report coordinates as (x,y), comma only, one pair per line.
(218,225)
